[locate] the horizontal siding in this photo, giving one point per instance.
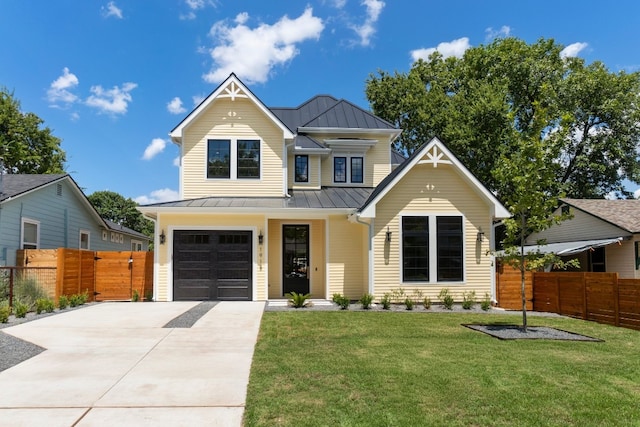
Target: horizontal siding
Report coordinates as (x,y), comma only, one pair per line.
(621,259)
(346,259)
(429,190)
(232,119)
(581,227)
(163,282)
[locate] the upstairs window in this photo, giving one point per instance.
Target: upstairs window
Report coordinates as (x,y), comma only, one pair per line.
(233,159)
(219,158)
(302,168)
(248,159)
(348,169)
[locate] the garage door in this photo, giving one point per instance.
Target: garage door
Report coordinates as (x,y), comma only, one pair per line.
(212,265)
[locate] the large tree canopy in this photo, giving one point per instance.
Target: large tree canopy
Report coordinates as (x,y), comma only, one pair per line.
(115,207)
(486,103)
(25,146)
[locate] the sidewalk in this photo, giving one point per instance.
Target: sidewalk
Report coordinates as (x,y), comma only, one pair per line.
(115,364)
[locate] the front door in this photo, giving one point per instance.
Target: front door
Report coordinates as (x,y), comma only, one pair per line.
(295,259)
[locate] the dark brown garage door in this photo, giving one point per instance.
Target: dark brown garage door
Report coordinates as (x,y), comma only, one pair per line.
(211,265)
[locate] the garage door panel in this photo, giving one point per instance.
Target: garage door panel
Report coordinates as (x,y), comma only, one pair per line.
(212,265)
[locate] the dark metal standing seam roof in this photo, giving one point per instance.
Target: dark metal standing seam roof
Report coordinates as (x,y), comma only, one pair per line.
(325,198)
(347,115)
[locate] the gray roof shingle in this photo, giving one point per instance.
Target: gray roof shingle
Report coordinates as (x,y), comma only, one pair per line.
(12,185)
(621,213)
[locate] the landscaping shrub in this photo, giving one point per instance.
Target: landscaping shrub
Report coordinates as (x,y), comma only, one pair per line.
(426,302)
(136,296)
(485,304)
(342,301)
(148,296)
(366,300)
(298,300)
(28,291)
(409,303)
(468,300)
(386,301)
(5,311)
(44,304)
(446,298)
(21,309)
(75,300)
(398,295)
(63,302)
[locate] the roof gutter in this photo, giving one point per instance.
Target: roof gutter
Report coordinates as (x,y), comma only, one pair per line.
(355,217)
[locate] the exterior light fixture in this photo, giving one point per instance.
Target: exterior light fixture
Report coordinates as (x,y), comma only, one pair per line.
(388,235)
(480,235)
(260,238)
(163,238)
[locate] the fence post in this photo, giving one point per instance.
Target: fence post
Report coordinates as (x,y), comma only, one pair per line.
(11,273)
(616,299)
(585,313)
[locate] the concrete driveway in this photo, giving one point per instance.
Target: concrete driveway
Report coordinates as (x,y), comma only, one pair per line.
(114,364)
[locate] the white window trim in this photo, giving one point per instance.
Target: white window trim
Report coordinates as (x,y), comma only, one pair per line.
(88,233)
(24,221)
(433,249)
(136,242)
(348,157)
(233,159)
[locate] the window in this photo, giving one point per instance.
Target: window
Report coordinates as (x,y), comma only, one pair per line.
(348,169)
(136,245)
(432,249)
(30,234)
(84,239)
(415,249)
(302,168)
(357,168)
(233,159)
(339,169)
(248,159)
(219,158)
(449,248)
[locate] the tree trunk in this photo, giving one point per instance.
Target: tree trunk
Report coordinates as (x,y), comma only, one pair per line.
(522,277)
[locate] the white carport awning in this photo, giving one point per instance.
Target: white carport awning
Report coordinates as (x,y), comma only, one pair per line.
(570,248)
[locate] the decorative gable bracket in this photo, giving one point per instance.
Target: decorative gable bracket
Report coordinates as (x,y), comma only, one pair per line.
(435,156)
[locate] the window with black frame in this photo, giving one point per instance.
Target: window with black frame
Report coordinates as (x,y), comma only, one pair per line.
(301,168)
(248,159)
(219,158)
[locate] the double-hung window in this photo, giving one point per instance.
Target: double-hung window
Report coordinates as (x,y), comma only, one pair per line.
(84,239)
(301,168)
(233,159)
(432,249)
(348,169)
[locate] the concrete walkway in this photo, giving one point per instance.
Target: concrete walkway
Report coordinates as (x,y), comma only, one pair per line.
(113,364)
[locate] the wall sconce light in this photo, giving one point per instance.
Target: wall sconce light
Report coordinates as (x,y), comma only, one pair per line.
(163,238)
(480,235)
(260,238)
(388,235)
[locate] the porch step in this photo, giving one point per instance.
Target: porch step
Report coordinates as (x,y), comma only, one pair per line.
(284,302)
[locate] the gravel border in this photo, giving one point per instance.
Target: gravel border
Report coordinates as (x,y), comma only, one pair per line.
(14,350)
(516,332)
(191,316)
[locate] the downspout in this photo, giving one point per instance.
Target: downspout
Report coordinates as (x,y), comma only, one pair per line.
(285,169)
(356,217)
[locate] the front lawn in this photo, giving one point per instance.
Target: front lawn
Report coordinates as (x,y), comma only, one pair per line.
(314,368)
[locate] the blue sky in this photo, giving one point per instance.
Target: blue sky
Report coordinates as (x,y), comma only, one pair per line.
(112,78)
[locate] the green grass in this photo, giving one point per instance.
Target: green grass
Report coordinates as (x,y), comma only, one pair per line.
(409,369)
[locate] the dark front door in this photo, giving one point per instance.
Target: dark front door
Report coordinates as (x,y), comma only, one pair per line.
(212,265)
(295,259)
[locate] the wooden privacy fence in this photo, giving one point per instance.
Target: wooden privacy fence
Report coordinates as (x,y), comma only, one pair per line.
(104,275)
(600,297)
(509,287)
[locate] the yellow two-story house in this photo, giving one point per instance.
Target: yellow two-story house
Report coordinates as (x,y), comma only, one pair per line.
(313,199)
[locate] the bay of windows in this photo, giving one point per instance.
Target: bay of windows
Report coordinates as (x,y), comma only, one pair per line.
(432,249)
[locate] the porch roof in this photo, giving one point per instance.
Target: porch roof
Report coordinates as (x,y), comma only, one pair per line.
(571,248)
(347,198)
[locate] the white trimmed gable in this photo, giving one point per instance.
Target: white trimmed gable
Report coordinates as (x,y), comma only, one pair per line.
(232,88)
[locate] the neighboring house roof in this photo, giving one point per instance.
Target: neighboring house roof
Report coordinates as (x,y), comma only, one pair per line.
(569,248)
(440,153)
(14,185)
(624,214)
(232,88)
(114,226)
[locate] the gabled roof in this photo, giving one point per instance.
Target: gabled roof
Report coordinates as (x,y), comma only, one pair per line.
(17,185)
(13,185)
(231,88)
(298,116)
(438,153)
(114,226)
(624,214)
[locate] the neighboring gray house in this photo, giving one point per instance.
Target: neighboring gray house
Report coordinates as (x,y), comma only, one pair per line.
(51,211)
(604,235)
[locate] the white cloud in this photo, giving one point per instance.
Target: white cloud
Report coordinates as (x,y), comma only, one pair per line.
(368,29)
(156,147)
(111,101)
(175,106)
(263,47)
(339,4)
(197,99)
(447,49)
(158,196)
(573,50)
(60,89)
(194,6)
(492,33)
(111,10)
(176,162)
(636,194)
